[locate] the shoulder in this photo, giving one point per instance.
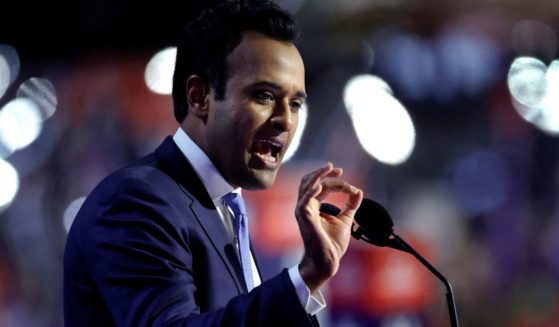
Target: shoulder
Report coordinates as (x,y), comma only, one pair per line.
(138,192)
(143,179)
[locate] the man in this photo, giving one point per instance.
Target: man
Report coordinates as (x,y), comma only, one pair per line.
(161,243)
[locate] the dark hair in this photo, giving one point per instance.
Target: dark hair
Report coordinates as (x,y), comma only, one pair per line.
(206,42)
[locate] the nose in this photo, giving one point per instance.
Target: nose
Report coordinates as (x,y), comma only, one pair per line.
(283,118)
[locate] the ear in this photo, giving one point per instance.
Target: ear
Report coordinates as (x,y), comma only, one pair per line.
(197,93)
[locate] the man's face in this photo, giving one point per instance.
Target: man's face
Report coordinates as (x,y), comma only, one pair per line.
(247,134)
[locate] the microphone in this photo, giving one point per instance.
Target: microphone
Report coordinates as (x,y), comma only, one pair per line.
(377,231)
(374,225)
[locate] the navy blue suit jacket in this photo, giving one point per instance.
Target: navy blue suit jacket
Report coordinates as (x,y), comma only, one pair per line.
(148,248)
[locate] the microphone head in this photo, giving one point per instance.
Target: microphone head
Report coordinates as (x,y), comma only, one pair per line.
(375,222)
(372,218)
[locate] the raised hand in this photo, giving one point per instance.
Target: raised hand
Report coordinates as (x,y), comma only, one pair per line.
(325,237)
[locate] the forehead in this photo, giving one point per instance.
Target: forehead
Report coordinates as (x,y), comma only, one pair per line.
(261,58)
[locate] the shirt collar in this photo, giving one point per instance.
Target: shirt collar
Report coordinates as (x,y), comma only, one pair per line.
(214,182)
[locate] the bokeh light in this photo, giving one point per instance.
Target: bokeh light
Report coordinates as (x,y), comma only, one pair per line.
(527,83)
(20,124)
(71,212)
(358,88)
(9,185)
(9,66)
(159,71)
(43,94)
(383,126)
(534,88)
(303,113)
(4,75)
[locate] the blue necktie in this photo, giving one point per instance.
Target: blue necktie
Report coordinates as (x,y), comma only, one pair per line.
(237,205)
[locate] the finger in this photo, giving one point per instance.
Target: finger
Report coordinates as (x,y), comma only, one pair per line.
(327,171)
(309,194)
(335,186)
(311,178)
(352,204)
(336,172)
(333,173)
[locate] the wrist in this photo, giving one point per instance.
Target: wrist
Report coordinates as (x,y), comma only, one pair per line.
(313,277)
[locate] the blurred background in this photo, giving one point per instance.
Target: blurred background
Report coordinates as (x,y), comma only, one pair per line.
(446,112)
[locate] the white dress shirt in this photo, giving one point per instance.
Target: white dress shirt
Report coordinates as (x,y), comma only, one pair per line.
(217,187)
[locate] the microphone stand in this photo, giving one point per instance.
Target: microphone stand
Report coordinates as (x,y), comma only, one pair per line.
(400,244)
(388,238)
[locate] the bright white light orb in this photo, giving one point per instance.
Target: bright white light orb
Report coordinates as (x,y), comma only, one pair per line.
(303,112)
(358,90)
(535,90)
(42,92)
(383,126)
(9,185)
(20,124)
(526,81)
(9,66)
(159,71)
(4,75)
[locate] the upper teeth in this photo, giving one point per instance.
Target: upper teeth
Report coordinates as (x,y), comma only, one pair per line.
(274,143)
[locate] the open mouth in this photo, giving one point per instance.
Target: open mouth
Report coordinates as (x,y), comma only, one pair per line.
(268,151)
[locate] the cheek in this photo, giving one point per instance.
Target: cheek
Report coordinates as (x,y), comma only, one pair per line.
(252,120)
(242,130)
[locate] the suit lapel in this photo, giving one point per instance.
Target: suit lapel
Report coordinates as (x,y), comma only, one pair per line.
(173,162)
(213,226)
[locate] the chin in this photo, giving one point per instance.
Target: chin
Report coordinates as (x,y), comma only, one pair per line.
(259,180)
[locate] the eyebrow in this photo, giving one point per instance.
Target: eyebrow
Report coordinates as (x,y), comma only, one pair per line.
(299,94)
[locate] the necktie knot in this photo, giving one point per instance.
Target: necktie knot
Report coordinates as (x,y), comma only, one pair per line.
(236,204)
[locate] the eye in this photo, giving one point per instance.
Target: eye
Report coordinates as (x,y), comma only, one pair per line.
(296,105)
(264,97)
